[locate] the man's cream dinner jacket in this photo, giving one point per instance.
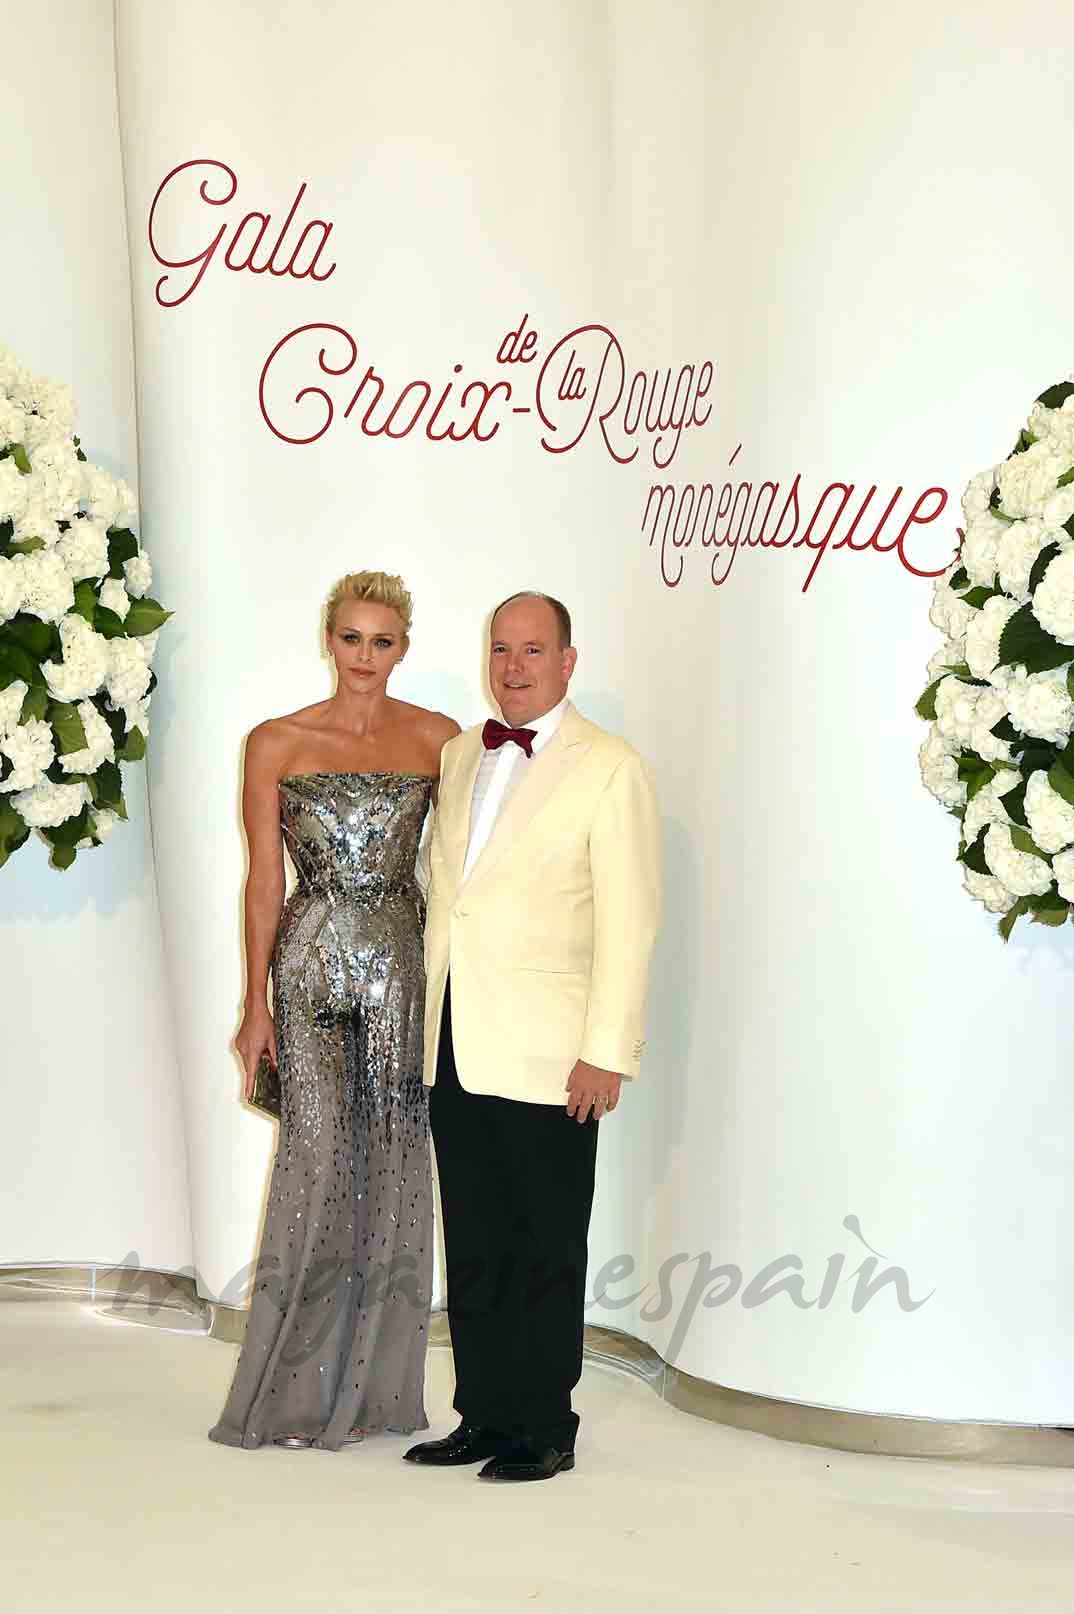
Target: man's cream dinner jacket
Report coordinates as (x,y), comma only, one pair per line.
(548,940)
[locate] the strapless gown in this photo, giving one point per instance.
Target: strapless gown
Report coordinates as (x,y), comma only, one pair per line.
(339,1306)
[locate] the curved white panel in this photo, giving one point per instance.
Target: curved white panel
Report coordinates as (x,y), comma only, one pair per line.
(92,1155)
(844,213)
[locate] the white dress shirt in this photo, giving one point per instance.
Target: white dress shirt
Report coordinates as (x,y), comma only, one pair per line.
(499,773)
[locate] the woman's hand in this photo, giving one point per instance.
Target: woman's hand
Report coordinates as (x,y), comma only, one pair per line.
(256,1036)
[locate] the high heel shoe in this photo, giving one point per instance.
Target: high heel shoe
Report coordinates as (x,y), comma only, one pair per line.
(300,1442)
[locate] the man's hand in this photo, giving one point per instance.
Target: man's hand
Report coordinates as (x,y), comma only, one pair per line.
(591,1088)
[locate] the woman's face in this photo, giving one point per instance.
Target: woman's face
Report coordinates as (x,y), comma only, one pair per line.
(366,643)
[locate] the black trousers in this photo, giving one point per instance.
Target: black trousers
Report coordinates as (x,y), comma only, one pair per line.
(516,1190)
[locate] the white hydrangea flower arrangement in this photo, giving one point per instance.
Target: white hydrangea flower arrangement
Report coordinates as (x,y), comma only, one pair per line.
(78,627)
(1000,753)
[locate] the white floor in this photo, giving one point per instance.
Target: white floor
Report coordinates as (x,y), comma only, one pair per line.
(113,1498)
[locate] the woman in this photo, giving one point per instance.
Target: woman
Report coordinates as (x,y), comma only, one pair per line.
(336,1334)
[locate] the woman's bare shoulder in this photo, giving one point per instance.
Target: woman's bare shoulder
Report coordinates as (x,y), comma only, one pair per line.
(435,727)
(442,728)
(276,735)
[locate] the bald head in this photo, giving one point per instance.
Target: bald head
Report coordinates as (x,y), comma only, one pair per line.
(558,609)
(531,658)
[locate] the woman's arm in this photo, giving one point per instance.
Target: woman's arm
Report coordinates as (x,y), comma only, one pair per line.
(440,730)
(443,730)
(263,896)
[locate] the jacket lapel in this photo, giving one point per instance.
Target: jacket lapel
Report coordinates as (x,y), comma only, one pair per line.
(543,776)
(455,807)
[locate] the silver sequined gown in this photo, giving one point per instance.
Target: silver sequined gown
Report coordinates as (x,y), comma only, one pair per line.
(337,1327)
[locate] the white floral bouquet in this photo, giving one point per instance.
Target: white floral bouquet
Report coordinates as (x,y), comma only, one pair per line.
(1000,699)
(77,627)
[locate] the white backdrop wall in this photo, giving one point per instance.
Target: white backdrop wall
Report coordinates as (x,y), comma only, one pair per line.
(841,212)
(92,1153)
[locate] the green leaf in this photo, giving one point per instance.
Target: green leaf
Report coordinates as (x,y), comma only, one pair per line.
(1036,756)
(115,720)
(974,773)
(21,458)
(1011,918)
(1050,909)
(35,705)
(25,546)
(1005,730)
(1062,782)
(133,748)
(1025,440)
(1068,526)
(32,634)
(106,786)
(993,505)
(1055,397)
(62,855)
(973,856)
(122,546)
(961,670)
(71,830)
(108,623)
(980,595)
(1024,641)
(1041,564)
(926,706)
(1066,479)
(86,600)
(146,615)
(1014,801)
(970,763)
(960,578)
(1022,839)
(13,829)
(67,727)
(15,662)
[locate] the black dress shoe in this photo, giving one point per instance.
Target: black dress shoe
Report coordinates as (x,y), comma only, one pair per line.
(522,1461)
(466,1444)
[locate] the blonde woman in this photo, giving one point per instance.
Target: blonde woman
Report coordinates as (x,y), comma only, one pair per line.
(336,1335)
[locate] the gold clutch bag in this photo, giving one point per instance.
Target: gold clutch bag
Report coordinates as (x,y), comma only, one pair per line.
(265,1095)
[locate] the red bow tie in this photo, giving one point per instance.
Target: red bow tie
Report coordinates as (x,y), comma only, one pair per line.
(496,734)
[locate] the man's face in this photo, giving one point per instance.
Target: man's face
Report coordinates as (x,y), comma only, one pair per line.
(529,669)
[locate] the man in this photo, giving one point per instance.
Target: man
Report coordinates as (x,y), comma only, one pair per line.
(542,912)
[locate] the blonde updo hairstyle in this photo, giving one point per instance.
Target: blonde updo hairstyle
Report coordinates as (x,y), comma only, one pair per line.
(378,588)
